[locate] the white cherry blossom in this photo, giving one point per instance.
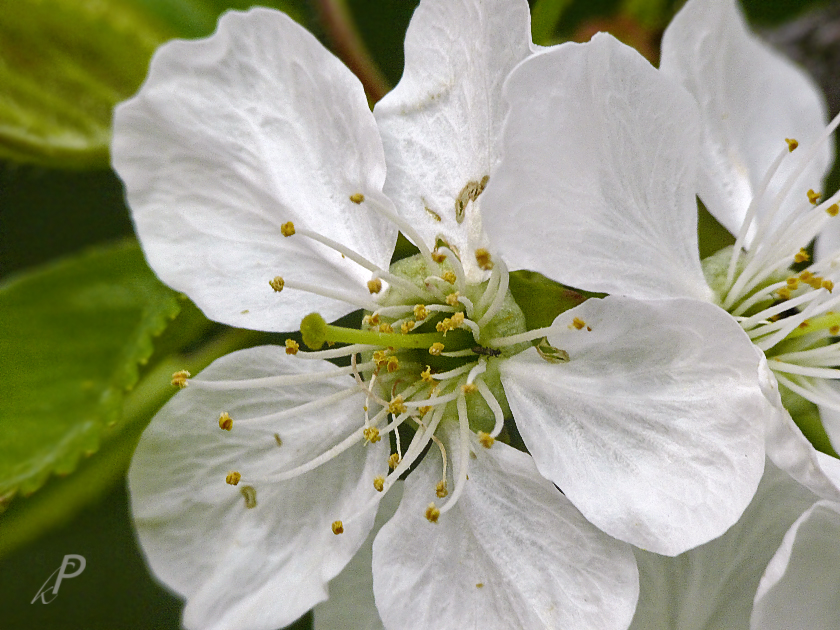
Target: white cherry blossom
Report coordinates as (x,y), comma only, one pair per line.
(776,569)
(623,151)
(255,173)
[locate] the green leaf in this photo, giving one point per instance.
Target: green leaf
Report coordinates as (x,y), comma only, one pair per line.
(542,299)
(73,339)
(545,16)
(64,64)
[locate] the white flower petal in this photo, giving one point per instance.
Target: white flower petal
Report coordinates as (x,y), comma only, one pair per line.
(789,449)
(258,568)
(351,603)
(801,588)
(512,553)
(596,184)
(654,428)
(441,125)
(713,586)
(234,135)
(751,98)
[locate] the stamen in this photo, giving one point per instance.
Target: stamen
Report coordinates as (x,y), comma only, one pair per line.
(353,300)
(483,258)
(335,353)
(292,346)
(808,390)
(490,290)
(180,379)
(285,380)
(225,421)
(464,454)
(494,405)
(432,513)
(751,212)
(485,439)
(374,286)
(817,372)
(440,489)
(499,298)
(233,478)
(404,226)
(337,528)
(512,340)
(379,483)
(457,267)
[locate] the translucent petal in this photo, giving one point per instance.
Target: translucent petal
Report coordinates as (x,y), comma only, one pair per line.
(655,427)
(253,568)
(596,187)
(800,588)
(441,125)
(751,98)
(712,587)
(512,553)
(229,138)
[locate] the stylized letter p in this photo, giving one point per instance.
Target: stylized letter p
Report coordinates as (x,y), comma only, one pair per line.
(64,572)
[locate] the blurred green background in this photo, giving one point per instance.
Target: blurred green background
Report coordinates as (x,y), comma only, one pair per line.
(57,201)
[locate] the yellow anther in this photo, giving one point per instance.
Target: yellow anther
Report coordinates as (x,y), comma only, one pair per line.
(287,229)
(420,312)
(375,285)
(469,388)
(394,460)
(426,375)
(783,293)
(424,410)
(793,283)
(393,364)
(802,257)
(578,324)
(432,513)
(357,198)
(337,527)
(380,358)
(379,483)
(813,196)
(452,298)
(816,282)
(828,284)
(450,323)
(407,326)
(225,421)
(397,406)
(805,323)
(292,346)
(485,439)
(833,210)
(792,144)
(440,489)
(371,320)
(233,478)
(806,276)
(277,284)
(179,379)
(385,328)
(449,276)
(278,440)
(480,585)
(371,435)
(834,330)
(250,494)
(436,349)
(438,257)
(483,258)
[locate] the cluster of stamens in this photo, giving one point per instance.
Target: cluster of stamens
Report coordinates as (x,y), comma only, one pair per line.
(425,357)
(787,310)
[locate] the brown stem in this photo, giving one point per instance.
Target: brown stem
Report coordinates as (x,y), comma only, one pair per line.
(350,48)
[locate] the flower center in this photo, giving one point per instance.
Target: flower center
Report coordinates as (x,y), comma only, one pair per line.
(782,299)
